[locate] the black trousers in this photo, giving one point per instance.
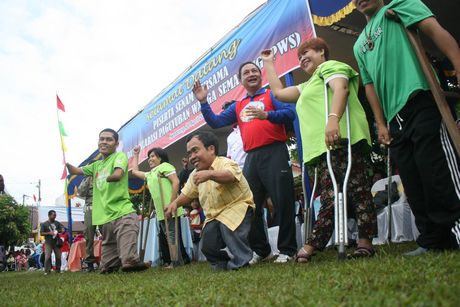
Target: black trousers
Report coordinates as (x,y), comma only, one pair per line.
(268,172)
(163,243)
(429,170)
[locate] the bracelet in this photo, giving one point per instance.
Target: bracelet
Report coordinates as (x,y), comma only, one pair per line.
(334,114)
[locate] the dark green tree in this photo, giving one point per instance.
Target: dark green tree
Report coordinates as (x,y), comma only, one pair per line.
(14,222)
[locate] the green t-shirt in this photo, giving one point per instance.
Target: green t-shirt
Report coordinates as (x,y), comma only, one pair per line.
(164,170)
(312,114)
(392,65)
(110,199)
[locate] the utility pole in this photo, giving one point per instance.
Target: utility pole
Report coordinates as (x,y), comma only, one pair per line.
(39,186)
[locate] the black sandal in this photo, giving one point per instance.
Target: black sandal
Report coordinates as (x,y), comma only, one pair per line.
(362,252)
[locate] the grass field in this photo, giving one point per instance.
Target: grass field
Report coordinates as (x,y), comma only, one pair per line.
(386,280)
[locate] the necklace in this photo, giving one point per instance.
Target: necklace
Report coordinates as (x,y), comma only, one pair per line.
(369,41)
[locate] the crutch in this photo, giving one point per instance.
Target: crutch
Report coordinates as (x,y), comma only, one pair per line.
(340,190)
(438,94)
(173,254)
(389,173)
(149,217)
(142,251)
(308,205)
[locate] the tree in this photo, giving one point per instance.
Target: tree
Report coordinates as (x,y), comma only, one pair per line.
(14,221)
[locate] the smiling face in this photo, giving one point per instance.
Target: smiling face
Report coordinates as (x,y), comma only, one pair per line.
(251,78)
(200,156)
(153,160)
(368,7)
(107,143)
(310,59)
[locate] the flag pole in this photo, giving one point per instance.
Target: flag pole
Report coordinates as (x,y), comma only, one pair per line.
(60,106)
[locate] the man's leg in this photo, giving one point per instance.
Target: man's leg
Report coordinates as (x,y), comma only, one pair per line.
(213,245)
(89,238)
(127,230)
(419,152)
(110,260)
(48,251)
(237,242)
(57,254)
(257,236)
(276,175)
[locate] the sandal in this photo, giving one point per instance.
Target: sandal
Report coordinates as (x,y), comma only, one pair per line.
(362,252)
(302,256)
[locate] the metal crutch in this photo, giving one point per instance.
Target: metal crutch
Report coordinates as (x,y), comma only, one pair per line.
(340,191)
(390,181)
(308,205)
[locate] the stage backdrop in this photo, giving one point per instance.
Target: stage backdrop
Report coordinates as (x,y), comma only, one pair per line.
(279,24)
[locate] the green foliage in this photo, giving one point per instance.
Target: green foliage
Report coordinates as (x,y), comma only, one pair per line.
(14,221)
(386,280)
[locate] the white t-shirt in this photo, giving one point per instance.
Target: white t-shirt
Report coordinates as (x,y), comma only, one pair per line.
(235,149)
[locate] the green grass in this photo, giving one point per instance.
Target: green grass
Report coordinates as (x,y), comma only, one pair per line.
(386,280)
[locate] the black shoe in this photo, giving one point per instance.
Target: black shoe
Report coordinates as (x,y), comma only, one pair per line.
(136,267)
(109,270)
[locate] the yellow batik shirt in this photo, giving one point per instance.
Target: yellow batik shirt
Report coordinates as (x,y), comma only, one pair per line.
(227,203)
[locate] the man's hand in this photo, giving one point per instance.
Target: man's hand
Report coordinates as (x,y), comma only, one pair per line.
(202,176)
(267,55)
(200,92)
(137,149)
(256,113)
(170,209)
(383,135)
(332,132)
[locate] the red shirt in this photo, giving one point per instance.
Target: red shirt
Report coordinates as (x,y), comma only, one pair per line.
(255,132)
(65,247)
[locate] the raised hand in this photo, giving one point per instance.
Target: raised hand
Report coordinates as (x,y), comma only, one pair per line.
(267,55)
(137,149)
(200,92)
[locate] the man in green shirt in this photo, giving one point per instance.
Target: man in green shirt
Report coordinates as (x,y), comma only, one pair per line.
(419,143)
(112,207)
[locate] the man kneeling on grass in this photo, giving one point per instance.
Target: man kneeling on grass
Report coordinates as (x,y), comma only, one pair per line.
(112,207)
(227,201)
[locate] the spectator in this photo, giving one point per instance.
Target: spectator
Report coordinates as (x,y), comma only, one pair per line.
(50,230)
(342,83)
(267,167)
(163,186)
(184,173)
(85,190)
(112,207)
(226,199)
(418,140)
(65,249)
(37,254)
(21,261)
(197,219)
(235,148)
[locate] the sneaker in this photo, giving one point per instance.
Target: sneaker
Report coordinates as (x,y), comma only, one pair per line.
(417,252)
(46,273)
(256,258)
(282,258)
(456,232)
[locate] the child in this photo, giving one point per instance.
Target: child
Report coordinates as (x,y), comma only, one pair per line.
(164,174)
(112,207)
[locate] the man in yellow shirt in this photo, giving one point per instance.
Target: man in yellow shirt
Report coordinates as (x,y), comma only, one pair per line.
(227,201)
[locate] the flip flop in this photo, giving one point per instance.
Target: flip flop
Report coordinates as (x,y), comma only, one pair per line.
(362,252)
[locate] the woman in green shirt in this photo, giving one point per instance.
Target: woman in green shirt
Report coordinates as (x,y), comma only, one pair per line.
(164,174)
(342,83)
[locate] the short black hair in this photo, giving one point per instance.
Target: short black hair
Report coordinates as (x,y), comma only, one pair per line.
(114,133)
(246,63)
(160,153)
(51,212)
(207,138)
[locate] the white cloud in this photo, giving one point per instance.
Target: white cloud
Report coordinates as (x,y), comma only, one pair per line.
(106,59)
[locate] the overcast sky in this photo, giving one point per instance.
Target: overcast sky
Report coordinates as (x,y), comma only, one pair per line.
(105,58)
